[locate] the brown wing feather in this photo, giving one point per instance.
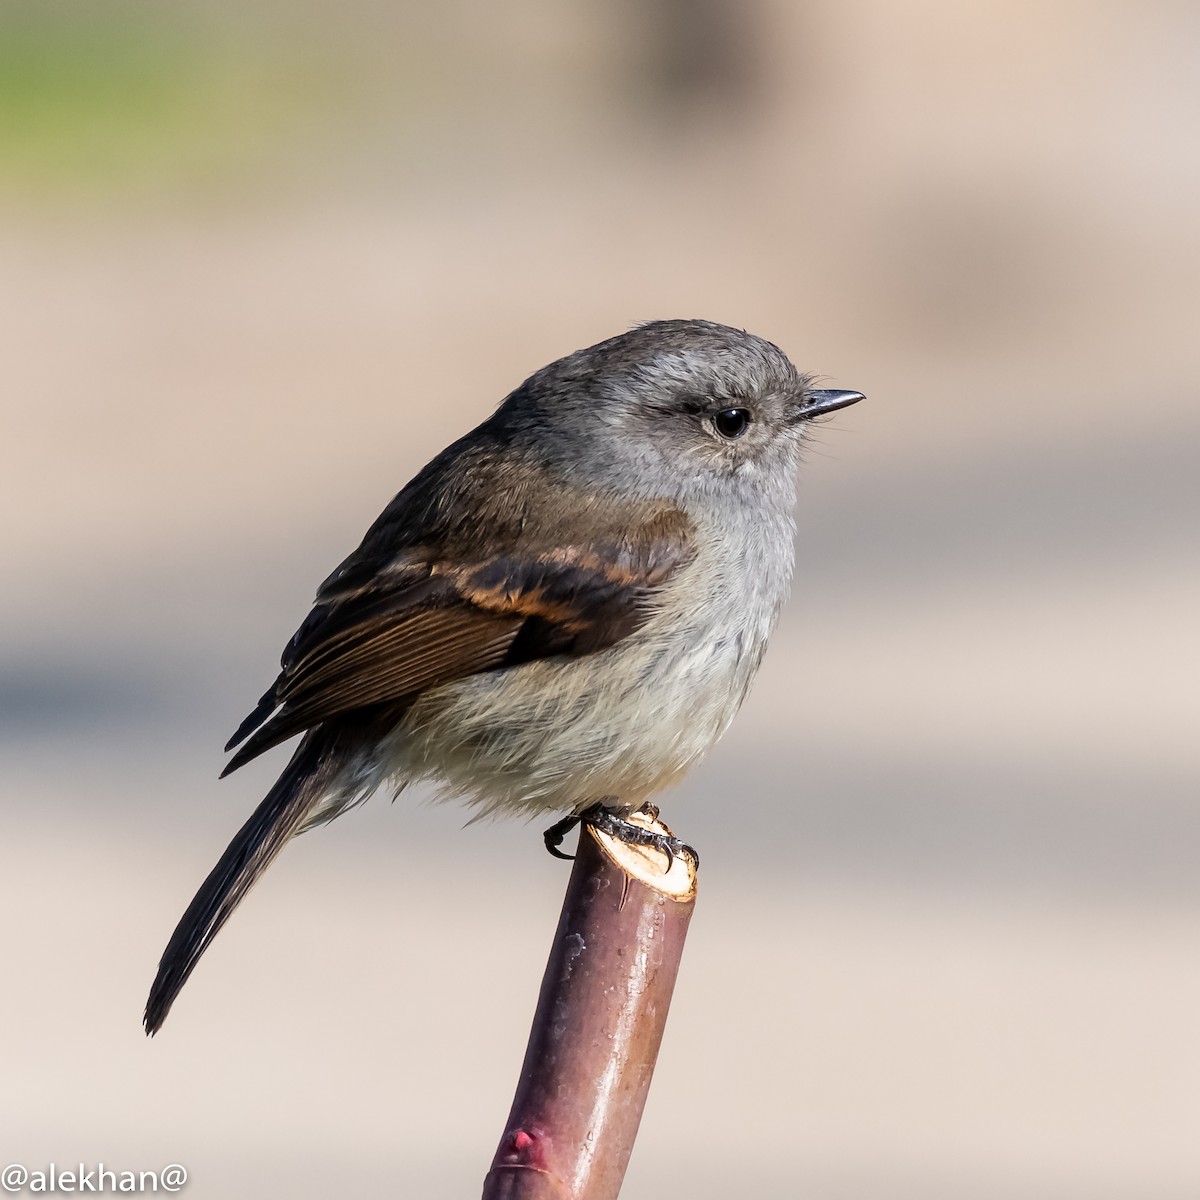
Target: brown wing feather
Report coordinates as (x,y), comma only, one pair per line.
(413,652)
(415,625)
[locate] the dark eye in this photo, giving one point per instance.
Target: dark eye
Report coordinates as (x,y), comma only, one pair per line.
(731,423)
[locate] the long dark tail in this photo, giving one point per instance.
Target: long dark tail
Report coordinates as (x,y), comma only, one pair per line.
(302,784)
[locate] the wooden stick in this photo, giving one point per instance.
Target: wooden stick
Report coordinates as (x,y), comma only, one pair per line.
(599,1021)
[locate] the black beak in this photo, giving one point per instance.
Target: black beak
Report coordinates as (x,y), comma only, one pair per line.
(820,401)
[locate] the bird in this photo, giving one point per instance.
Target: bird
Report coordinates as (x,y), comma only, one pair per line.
(559,614)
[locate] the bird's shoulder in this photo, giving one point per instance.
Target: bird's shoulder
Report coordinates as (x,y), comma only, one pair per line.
(483,510)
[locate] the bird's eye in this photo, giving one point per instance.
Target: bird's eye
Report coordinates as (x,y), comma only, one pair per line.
(731,423)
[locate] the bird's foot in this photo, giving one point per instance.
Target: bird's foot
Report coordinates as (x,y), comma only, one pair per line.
(613,822)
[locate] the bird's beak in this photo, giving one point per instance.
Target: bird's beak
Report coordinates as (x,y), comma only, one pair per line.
(819,401)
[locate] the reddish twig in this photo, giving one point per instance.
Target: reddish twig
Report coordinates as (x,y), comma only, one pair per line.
(598,1025)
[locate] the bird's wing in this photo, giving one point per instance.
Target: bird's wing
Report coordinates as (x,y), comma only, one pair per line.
(421,621)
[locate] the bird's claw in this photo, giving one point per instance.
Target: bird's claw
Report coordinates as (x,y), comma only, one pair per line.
(553,837)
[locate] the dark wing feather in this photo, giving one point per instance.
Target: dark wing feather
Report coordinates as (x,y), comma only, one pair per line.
(399,655)
(419,623)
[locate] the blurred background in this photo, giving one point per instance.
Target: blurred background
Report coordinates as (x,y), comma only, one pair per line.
(259,261)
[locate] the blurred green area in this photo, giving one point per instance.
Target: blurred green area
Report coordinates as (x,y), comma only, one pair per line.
(132,97)
(125,99)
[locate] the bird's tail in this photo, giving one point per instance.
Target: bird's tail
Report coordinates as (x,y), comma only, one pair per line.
(305,780)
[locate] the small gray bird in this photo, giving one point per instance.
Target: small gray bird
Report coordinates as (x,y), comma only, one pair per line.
(560,614)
